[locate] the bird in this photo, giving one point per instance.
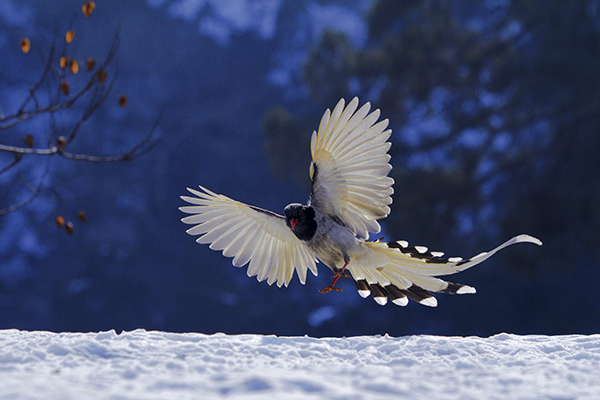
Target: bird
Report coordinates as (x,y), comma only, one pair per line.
(350,192)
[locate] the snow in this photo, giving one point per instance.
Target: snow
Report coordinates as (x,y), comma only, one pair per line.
(159,365)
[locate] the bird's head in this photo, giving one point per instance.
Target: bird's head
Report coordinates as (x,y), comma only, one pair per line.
(301,220)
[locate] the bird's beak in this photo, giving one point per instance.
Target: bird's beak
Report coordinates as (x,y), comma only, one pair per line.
(293,222)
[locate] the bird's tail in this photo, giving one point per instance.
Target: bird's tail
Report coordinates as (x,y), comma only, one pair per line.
(405,271)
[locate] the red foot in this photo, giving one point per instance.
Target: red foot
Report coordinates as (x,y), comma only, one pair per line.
(329,289)
(336,276)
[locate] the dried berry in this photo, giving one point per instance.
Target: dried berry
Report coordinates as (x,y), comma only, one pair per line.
(69,36)
(82,216)
(65,87)
(74,66)
(90,64)
(88,8)
(25,45)
(29,140)
(61,143)
(102,75)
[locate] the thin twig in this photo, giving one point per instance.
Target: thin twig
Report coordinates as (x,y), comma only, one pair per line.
(16,160)
(35,191)
(95,103)
(37,85)
(139,149)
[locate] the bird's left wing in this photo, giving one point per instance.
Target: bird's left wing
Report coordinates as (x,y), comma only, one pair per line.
(350,166)
(248,234)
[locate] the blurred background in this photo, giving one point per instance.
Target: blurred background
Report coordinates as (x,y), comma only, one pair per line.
(495,111)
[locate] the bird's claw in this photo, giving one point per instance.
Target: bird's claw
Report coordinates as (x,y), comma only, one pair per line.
(340,273)
(329,289)
(336,275)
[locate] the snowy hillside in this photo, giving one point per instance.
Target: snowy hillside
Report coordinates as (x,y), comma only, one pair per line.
(157,365)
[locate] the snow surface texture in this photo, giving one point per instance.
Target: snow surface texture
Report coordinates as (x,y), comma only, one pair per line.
(160,365)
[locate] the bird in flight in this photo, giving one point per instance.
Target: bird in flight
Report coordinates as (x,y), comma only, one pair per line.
(350,192)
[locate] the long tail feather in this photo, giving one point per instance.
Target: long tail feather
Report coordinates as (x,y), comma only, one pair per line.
(397,272)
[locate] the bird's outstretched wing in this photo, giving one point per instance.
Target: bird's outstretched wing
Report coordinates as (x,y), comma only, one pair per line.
(349,167)
(248,234)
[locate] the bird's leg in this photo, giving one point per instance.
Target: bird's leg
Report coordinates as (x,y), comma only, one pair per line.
(336,276)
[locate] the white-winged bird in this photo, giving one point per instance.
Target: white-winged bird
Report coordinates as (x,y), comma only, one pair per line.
(350,191)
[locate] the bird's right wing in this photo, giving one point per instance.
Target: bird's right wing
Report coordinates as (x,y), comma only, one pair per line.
(248,234)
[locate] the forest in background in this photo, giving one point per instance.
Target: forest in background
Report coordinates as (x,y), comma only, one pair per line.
(494,108)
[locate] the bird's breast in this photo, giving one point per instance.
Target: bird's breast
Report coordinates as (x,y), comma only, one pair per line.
(332,241)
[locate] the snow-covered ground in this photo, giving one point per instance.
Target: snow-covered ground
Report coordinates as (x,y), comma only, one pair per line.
(159,365)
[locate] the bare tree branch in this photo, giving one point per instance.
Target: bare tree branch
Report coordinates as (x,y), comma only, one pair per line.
(141,148)
(96,90)
(55,106)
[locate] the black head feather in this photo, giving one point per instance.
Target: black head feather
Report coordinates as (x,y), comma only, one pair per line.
(301,220)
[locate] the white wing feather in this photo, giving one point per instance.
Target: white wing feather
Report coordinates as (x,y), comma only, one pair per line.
(248,234)
(350,167)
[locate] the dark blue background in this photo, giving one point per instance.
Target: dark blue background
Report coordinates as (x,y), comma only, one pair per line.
(133,266)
